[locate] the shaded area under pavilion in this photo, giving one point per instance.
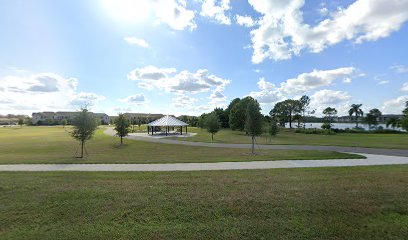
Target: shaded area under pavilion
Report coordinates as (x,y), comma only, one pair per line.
(167,122)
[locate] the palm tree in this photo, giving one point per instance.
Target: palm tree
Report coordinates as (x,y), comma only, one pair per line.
(394,122)
(356,109)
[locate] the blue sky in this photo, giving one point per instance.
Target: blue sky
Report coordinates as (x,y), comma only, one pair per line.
(187,57)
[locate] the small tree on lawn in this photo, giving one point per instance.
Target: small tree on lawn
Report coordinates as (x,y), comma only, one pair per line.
(212,124)
(64,122)
(21,122)
(330,114)
(122,127)
(253,121)
(273,128)
(84,127)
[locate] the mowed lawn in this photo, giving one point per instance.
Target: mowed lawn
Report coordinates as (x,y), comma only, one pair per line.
(324,203)
(287,136)
(54,145)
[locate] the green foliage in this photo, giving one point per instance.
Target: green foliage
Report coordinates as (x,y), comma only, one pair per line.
(273,128)
(21,122)
(356,110)
(83,127)
(393,122)
(326,126)
(222,116)
(212,124)
(372,116)
(122,126)
(315,131)
(254,119)
(285,110)
(64,122)
(237,114)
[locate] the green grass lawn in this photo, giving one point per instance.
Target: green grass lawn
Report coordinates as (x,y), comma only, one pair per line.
(286,136)
(327,203)
(54,145)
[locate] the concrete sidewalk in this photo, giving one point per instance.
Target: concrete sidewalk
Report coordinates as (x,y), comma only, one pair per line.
(371,160)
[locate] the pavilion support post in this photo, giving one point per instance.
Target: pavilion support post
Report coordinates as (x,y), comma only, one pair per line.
(167,129)
(181,130)
(186,129)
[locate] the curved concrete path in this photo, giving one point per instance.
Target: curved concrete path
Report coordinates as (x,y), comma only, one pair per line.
(360,150)
(371,160)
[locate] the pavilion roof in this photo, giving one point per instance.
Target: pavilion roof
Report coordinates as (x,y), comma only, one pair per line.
(167,121)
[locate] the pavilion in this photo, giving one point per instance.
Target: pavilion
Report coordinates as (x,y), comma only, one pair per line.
(167,122)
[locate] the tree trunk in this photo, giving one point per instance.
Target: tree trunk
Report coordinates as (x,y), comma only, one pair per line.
(212,136)
(82,149)
(290,120)
(121,140)
(356,121)
(253,145)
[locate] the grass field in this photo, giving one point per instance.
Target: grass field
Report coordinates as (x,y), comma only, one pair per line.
(328,203)
(54,145)
(286,136)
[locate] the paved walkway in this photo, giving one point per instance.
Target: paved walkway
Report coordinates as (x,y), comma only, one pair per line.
(378,151)
(371,160)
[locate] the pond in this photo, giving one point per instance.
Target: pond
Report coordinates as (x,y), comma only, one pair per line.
(342,126)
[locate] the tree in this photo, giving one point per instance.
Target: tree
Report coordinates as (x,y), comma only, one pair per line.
(304,103)
(393,122)
(64,122)
(237,114)
(356,110)
(222,116)
(253,121)
(330,114)
(273,128)
(84,126)
(21,122)
(372,116)
(285,110)
(212,124)
(122,126)
(404,121)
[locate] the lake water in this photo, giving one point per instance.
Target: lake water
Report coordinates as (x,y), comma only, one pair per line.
(341,126)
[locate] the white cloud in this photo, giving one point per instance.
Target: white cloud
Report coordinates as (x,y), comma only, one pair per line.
(347,80)
(137,41)
(383,82)
(211,9)
(395,105)
(170,80)
(327,97)
(399,68)
(246,21)
(404,87)
(303,84)
(43,92)
(175,14)
(282,32)
(183,101)
(317,78)
(136,99)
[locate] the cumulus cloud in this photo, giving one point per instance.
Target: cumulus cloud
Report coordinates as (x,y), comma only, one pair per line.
(303,84)
(175,14)
(404,87)
(246,21)
(399,68)
(282,32)
(216,10)
(137,41)
(183,101)
(169,80)
(136,99)
(395,105)
(43,92)
(317,78)
(383,82)
(330,97)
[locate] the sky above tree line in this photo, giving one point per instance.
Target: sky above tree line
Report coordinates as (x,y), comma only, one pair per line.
(188,57)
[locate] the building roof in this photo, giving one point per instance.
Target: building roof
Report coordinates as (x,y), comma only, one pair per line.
(167,121)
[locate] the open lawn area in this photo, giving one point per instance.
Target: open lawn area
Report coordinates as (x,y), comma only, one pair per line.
(54,145)
(287,136)
(327,203)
